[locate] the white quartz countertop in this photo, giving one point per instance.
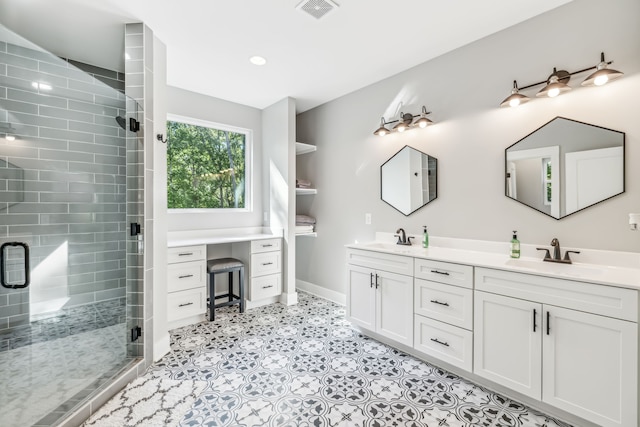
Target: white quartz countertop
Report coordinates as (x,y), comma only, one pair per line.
(211,237)
(627,276)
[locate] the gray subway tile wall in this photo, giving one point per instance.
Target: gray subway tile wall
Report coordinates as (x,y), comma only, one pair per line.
(63,178)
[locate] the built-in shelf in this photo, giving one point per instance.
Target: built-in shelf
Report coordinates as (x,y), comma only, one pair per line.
(304,191)
(302,148)
(314,234)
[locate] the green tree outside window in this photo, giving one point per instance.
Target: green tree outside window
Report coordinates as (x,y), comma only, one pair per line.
(205,167)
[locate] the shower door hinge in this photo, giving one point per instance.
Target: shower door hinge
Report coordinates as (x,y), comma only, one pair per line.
(135,228)
(136,332)
(134,125)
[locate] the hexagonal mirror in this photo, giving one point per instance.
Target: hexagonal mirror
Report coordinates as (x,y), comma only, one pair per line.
(408,180)
(565,166)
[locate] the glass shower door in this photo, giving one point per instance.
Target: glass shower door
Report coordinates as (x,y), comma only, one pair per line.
(66,161)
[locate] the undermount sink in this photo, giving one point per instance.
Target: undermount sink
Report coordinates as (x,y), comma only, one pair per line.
(556,268)
(391,247)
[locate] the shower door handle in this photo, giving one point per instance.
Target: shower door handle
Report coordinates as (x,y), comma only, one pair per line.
(3,266)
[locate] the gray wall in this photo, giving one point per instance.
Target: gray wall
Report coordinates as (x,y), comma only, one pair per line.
(463,89)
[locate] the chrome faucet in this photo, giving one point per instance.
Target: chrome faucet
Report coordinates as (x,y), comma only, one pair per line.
(557,253)
(402,237)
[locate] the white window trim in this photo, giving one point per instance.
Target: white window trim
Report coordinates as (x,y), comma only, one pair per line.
(248,164)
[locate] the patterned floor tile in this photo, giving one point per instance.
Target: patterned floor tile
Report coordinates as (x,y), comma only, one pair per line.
(305,365)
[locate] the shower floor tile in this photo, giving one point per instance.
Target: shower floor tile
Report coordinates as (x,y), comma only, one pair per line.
(305,365)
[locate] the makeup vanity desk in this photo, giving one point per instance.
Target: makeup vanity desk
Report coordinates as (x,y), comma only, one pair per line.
(258,248)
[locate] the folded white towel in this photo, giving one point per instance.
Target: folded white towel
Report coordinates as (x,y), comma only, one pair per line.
(304,229)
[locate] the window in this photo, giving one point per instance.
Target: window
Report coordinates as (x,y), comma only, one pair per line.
(208,165)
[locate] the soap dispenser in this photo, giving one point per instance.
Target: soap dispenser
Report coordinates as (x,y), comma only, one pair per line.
(515,245)
(425,238)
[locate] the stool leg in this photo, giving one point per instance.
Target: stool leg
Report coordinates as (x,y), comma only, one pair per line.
(212,296)
(241,289)
(230,286)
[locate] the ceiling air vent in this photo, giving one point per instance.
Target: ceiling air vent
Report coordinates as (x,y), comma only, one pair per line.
(317,8)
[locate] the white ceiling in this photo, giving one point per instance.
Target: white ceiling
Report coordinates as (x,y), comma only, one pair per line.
(314,61)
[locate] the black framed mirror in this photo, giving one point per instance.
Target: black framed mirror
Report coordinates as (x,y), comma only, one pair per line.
(565,166)
(408,180)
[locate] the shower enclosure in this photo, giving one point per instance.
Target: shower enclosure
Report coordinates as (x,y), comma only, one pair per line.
(70,185)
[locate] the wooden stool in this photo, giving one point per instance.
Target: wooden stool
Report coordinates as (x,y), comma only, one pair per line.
(225,265)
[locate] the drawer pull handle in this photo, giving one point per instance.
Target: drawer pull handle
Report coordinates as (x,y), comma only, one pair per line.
(185,304)
(185,276)
(435,301)
(534,320)
(267,263)
(444,273)
(185,254)
(267,246)
(267,287)
(436,340)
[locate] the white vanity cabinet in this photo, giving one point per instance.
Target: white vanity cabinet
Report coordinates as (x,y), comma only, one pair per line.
(265,270)
(443,307)
(186,284)
(380,293)
(570,344)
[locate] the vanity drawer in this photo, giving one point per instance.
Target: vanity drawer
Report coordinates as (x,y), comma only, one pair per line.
(381,261)
(445,342)
(186,303)
(446,303)
(186,275)
(265,263)
(265,286)
(620,303)
(186,254)
(267,245)
(444,272)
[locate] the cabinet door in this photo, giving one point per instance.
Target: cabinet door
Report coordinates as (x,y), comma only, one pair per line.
(590,366)
(508,342)
(394,307)
(361,297)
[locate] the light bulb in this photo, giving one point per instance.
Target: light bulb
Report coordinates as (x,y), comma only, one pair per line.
(382,133)
(600,80)
(514,102)
(554,92)
(423,124)
(401,128)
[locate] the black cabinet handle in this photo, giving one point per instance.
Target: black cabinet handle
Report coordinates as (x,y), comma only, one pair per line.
(185,304)
(377,284)
(185,254)
(267,246)
(534,320)
(436,340)
(267,287)
(371,280)
(185,276)
(435,301)
(444,273)
(267,263)
(548,322)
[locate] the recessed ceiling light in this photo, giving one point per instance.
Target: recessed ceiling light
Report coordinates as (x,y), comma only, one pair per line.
(257,60)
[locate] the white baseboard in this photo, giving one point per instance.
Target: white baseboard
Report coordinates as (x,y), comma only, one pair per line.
(161,347)
(289,299)
(337,297)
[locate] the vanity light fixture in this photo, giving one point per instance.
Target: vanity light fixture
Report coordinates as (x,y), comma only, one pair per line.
(404,122)
(602,74)
(557,83)
(516,98)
